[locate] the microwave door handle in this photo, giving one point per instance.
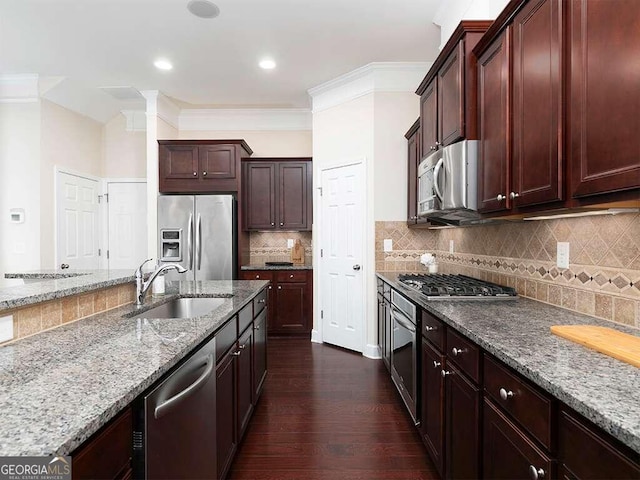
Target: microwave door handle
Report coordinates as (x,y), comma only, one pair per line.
(436,175)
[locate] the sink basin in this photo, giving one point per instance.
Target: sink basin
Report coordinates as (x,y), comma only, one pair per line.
(183,308)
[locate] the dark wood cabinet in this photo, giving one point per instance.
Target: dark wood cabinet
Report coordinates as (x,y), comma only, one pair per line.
(508,452)
(259,353)
(226,412)
(201,166)
(429,118)
(603,96)
(106,455)
(289,299)
(432,404)
(384,323)
(413,158)
(278,194)
(245,379)
(451,97)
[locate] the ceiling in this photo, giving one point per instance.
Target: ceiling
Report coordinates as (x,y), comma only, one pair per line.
(98,43)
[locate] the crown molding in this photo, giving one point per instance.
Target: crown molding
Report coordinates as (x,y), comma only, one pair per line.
(245,119)
(168,111)
(373,77)
(22,88)
(136,120)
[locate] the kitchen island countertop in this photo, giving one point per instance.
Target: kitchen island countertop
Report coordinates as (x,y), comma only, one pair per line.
(601,388)
(59,387)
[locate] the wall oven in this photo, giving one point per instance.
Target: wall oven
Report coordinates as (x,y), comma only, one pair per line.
(404,352)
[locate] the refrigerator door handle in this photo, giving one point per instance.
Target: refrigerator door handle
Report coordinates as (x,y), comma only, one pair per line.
(189,242)
(199,241)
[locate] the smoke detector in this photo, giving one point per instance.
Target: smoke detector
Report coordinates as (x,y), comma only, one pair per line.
(203,8)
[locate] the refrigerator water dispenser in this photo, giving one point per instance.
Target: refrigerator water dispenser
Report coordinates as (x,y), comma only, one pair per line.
(171,245)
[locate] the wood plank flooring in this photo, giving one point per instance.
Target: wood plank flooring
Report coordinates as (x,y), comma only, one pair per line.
(327,413)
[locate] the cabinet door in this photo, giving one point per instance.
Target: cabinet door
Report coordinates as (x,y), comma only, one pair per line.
(537,104)
(507,452)
(413,157)
(178,162)
(429,119)
(451,97)
(604,99)
(494,157)
(462,426)
(293,192)
(244,364)
(260,195)
(381,330)
(259,353)
(292,309)
(226,413)
(432,427)
(218,162)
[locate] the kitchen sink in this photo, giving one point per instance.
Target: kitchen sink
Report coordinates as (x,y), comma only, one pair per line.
(183,308)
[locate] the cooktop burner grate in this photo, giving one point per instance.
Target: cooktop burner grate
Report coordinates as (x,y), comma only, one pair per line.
(453,287)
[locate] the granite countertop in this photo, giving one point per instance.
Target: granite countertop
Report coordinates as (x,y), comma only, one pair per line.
(59,284)
(59,387)
(601,388)
(262,266)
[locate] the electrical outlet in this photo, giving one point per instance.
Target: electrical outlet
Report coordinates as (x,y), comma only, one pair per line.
(562,255)
(451,246)
(6,328)
(388,245)
(289,242)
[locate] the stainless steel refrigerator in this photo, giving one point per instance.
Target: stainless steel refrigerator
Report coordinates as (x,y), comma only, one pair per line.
(198,232)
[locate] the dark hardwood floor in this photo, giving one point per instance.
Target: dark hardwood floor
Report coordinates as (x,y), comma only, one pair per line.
(327,413)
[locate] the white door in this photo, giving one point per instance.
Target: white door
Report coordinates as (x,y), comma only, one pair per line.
(76,221)
(341,271)
(127,224)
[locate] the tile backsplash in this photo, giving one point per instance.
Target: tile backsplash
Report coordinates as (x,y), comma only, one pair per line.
(272,246)
(603,278)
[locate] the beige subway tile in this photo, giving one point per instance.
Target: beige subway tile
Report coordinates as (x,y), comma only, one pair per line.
(585,302)
(100,301)
(27,321)
(112,297)
(569,298)
(85,305)
(531,289)
(604,306)
(51,314)
(555,295)
(70,309)
(521,286)
(624,311)
(542,292)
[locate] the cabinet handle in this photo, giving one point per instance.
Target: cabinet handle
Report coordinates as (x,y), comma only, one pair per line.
(281,224)
(279,287)
(270,287)
(204,174)
(501,197)
(457,351)
(436,364)
(195,174)
(444,373)
(429,328)
(242,347)
(291,276)
(535,473)
(257,276)
(513,195)
(236,353)
(261,300)
(505,394)
(273,224)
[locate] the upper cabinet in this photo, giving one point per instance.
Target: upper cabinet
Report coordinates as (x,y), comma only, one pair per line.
(448,91)
(201,166)
(277,194)
(557,113)
(413,157)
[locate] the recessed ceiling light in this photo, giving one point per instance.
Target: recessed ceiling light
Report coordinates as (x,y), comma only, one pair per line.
(162,64)
(267,64)
(203,8)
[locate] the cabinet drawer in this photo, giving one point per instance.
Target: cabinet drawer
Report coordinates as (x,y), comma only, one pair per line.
(226,337)
(297,276)
(259,302)
(258,275)
(433,330)
(245,317)
(464,354)
(529,406)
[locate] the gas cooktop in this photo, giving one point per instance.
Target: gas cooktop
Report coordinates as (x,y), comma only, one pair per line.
(456,287)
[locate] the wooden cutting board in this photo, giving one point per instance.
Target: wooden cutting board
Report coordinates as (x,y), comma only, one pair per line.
(622,346)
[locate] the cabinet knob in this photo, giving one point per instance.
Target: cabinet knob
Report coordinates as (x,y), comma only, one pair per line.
(457,351)
(429,328)
(436,364)
(237,353)
(261,300)
(438,144)
(257,276)
(256,327)
(501,197)
(281,224)
(195,174)
(513,195)
(505,394)
(279,287)
(270,287)
(444,373)
(535,473)
(204,174)
(242,347)
(432,148)
(273,224)
(291,276)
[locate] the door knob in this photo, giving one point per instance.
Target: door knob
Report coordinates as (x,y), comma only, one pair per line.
(64,266)
(356,267)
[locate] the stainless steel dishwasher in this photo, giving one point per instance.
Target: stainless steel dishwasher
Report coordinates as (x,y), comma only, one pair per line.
(175,435)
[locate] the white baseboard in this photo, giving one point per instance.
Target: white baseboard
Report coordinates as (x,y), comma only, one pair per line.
(316,337)
(372,351)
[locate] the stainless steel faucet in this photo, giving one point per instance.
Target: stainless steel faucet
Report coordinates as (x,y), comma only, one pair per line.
(142,286)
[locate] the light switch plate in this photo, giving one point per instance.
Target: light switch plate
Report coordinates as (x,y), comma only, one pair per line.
(6,328)
(289,242)
(451,246)
(562,255)
(388,245)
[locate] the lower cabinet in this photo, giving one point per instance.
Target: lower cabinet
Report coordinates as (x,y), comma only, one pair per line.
(433,420)
(226,412)
(259,353)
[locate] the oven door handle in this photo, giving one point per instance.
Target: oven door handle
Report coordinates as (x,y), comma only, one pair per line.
(402,319)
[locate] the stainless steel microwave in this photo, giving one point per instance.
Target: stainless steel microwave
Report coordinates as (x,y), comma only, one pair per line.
(447,183)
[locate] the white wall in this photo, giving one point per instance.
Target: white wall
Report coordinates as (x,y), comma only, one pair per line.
(19,187)
(394,113)
(69,141)
(268,143)
(451,12)
(125,154)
